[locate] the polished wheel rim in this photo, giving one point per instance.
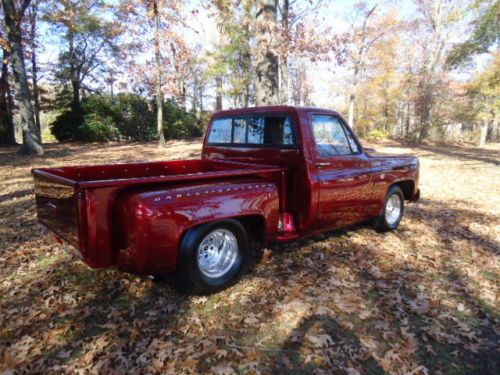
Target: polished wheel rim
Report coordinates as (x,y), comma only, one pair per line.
(393,209)
(217,253)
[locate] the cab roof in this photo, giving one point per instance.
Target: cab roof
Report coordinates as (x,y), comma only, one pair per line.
(271,109)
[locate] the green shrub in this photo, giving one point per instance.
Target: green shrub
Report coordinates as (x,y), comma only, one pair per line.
(65,126)
(128,116)
(136,120)
(98,128)
(178,123)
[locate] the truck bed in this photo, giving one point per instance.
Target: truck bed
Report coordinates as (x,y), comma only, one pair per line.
(76,202)
(146,173)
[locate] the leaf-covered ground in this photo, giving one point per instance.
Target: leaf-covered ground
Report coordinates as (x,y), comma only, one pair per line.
(421,300)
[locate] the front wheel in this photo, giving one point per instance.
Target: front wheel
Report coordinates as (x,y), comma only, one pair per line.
(213,256)
(392,213)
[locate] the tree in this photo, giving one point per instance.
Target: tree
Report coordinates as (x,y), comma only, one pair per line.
(152,29)
(198,82)
(13,15)
(284,68)
(437,19)
(364,33)
(266,58)
(89,36)
(380,93)
(231,63)
(32,41)
(300,85)
(485,33)
(159,91)
(298,40)
(484,92)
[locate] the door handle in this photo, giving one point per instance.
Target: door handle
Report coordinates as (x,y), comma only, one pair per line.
(323,164)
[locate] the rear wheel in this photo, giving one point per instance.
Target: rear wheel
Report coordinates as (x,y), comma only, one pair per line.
(392,213)
(213,256)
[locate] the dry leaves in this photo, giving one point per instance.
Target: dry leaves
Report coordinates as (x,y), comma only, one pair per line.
(421,300)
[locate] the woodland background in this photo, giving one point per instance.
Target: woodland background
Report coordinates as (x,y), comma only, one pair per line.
(113,70)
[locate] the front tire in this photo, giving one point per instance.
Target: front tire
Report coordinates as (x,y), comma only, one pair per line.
(393,210)
(213,257)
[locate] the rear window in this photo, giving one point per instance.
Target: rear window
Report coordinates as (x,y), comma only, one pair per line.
(272,131)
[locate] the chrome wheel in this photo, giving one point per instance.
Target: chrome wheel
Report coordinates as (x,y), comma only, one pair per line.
(393,209)
(217,253)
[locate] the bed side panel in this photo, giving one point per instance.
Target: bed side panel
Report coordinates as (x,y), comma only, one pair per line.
(153,222)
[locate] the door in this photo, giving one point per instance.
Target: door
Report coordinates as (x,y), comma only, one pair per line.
(342,171)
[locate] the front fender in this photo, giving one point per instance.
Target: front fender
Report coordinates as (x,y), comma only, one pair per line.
(152,222)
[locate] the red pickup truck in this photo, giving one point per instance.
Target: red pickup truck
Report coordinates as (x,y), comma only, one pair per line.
(267,174)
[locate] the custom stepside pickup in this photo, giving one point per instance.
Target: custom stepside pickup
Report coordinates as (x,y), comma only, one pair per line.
(266,175)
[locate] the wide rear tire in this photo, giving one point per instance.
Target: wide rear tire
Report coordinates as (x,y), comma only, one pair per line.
(213,257)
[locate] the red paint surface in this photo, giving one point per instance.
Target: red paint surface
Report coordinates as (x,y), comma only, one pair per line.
(133,216)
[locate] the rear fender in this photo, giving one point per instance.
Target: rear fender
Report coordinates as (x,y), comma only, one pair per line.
(152,222)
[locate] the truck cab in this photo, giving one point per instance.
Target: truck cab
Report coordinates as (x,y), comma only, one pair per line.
(331,181)
(266,174)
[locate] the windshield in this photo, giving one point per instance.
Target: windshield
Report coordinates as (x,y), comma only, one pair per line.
(271,131)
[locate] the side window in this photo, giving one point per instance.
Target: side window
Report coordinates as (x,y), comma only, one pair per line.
(288,132)
(278,131)
(272,131)
(221,131)
(255,130)
(239,130)
(330,136)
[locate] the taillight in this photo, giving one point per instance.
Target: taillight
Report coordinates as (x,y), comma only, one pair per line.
(286,223)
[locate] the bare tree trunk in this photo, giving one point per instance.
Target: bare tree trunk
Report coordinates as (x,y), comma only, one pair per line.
(352,97)
(159,92)
(6,104)
(483,132)
(182,89)
(363,45)
(36,95)
(218,93)
(304,86)
(194,102)
(201,90)
(31,141)
(246,97)
(34,75)
(407,120)
(74,76)
(425,113)
(267,65)
(284,81)
(285,73)
(350,111)
(75,85)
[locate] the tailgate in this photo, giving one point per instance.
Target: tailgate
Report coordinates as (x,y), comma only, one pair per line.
(57,205)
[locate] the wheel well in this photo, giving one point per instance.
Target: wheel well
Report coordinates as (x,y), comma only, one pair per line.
(408,188)
(254,225)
